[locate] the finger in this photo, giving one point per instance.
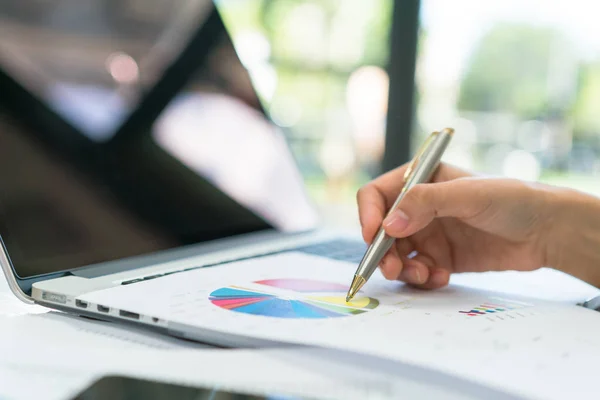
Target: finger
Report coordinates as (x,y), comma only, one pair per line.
(376,198)
(432,242)
(404,246)
(391,265)
(391,183)
(446,172)
(460,198)
(414,272)
(424,259)
(438,278)
(371,210)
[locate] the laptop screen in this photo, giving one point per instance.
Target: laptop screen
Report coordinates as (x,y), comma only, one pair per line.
(92,61)
(80,189)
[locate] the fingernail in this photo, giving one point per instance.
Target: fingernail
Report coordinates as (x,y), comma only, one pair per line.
(417,276)
(397,220)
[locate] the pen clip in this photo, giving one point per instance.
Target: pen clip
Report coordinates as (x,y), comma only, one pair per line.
(418,155)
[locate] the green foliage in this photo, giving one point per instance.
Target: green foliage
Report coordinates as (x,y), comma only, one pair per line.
(377,36)
(372,18)
(509,71)
(586,116)
(243,15)
(304,69)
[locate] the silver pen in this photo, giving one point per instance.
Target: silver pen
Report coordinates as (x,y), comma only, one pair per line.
(420,170)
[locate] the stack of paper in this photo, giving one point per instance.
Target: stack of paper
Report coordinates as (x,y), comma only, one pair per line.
(53,355)
(390,342)
(504,341)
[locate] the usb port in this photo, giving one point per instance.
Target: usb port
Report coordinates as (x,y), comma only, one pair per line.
(81,304)
(103,309)
(129,314)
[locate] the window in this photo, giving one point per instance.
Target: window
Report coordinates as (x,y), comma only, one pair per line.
(519,81)
(320,69)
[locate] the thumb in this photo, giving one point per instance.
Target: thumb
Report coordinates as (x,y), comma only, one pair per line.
(459,198)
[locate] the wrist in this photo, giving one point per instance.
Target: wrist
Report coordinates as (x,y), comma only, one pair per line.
(573,234)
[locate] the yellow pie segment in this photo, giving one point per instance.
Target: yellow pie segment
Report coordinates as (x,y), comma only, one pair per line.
(359,302)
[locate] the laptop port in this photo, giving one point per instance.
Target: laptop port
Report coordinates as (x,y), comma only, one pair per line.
(81,304)
(155,320)
(129,314)
(103,309)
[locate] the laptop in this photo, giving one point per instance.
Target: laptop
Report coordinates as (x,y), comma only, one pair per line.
(164,163)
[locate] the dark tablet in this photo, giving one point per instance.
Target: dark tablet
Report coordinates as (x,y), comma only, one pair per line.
(122,388)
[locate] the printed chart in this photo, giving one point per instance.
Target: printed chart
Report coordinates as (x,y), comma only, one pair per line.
(291,298)
(498,305)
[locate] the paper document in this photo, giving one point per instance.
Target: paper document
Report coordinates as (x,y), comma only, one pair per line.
(3,283)
(507,342)
(10,306)
(54,356)
(59,374)
(545,284)
(57,329)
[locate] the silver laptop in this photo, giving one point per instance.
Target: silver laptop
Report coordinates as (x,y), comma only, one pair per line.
(163,164)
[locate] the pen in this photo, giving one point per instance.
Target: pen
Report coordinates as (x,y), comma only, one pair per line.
(420,170)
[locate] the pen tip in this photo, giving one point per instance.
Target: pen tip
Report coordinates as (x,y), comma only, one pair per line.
(357,283)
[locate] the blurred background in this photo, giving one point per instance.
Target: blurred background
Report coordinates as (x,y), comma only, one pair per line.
(519,81)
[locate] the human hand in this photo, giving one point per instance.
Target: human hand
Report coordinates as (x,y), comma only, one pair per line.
(458,223)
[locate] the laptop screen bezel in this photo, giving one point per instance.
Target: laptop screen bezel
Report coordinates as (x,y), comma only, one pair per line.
(39,115)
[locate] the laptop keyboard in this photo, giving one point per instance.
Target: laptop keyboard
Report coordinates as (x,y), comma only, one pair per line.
(339,249)
(343,250)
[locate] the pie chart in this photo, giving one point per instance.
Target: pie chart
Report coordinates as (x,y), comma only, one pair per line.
(292,298)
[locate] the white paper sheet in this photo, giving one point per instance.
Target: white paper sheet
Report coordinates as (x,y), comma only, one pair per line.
(518,344)
(544,284)
(58,329)
(53,355)
(57,373)
(3,283)
(10,306)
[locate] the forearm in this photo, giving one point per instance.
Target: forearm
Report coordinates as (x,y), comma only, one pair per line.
(574,231)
